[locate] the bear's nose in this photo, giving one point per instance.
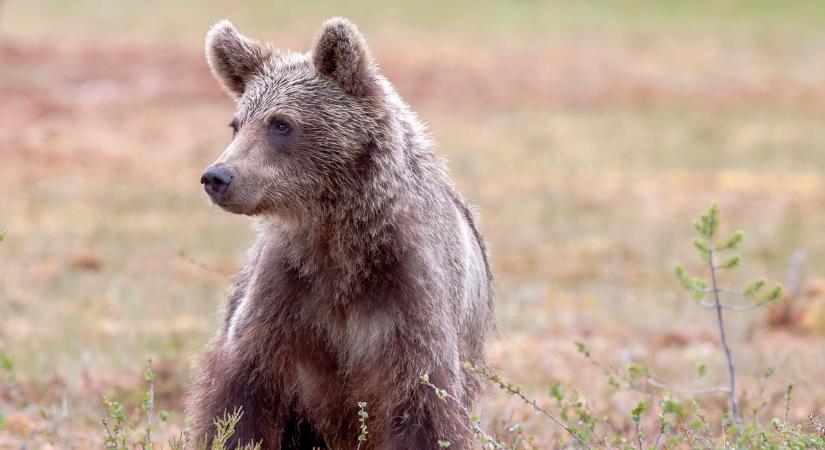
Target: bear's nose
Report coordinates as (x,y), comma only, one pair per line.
(216,181)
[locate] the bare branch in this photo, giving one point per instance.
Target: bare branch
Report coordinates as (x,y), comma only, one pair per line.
(734,404)
(720,290)
(688,391)
(694,437)
(474,427)
(202,265)
(544,412)
(733,307)
(508,388)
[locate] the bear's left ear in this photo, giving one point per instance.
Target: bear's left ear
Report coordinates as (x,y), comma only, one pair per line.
(233,57)
(340,52)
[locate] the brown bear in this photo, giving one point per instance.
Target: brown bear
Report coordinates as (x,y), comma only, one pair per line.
(368,270)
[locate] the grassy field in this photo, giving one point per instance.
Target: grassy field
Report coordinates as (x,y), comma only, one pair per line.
(588,134)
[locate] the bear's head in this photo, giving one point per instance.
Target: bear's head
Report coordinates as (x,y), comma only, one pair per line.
(304,124)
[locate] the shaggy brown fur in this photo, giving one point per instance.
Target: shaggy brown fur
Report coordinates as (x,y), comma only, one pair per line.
(368,271)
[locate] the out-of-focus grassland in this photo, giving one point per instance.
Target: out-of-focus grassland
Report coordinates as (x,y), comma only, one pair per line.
(587,133)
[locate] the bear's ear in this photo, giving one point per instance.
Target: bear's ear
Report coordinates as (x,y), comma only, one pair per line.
(340,52)
(232,57)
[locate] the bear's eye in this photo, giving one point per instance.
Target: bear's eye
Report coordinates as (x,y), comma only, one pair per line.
(234,126)
(280,127)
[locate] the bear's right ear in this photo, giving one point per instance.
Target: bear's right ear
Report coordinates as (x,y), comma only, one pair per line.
(232,57)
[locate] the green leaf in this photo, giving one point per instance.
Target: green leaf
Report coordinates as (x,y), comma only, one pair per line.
(582,348)
(702,369)
(556,392)
(775,422)
(754,287)
(732,262)
(637,370)
(700,227)
(700,246)
(708,223)
(679,273)
(669,405)
(5,362)
(712,219)
(773,294)
(733,241)
(149,374)
(636,413)
(699,288)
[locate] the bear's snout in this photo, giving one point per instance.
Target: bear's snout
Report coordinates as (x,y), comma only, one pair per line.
(215,182)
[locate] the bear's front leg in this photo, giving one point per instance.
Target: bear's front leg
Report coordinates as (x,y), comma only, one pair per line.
(406,414)
(428,417)
(223,385)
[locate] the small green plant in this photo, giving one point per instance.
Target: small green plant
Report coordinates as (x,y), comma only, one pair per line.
(681,422)
(582,431)
(6,367)
(225,427)
(119,437)
(148,407)
(487,441)
(719,257)
(362,418)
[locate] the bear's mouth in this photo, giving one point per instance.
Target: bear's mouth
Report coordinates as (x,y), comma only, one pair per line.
(230,207)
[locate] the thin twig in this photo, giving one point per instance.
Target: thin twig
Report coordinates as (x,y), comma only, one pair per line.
(544,412)
(694,437)
(788,391)
(736,307)
(688,391)
(475,428)
(108,432)
(661,433)
(734,405)
(720,290)
(639,435)
(508,388)
(202,265)
(761,394)
(521,439)
(150,410)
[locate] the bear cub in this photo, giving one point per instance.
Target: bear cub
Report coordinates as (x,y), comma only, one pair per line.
(368,269)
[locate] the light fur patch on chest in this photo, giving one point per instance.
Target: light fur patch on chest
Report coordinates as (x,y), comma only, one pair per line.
(241,312)
(367,334)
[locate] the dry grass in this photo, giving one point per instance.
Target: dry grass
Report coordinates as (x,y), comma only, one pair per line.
(587,150)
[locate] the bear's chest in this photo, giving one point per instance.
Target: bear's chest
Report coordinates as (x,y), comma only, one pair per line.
(306,318)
